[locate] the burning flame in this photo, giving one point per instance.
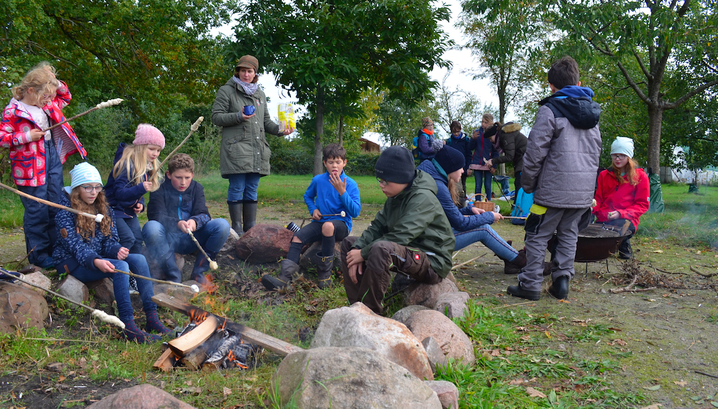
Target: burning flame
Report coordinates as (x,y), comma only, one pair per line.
(233,359)
(197,316)
(208,286)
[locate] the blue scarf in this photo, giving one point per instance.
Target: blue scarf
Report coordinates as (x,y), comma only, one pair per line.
(249,89)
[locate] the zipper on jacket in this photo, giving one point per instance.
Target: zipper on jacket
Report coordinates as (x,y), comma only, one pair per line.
(179,208)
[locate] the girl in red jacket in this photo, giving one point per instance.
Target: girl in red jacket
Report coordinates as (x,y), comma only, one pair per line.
(623,192)
(36,157)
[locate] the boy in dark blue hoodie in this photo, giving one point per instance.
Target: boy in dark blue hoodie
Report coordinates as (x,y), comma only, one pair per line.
(333,200)
(176,208)
(560,167)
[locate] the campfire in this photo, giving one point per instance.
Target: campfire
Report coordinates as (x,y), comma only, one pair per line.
(211,343)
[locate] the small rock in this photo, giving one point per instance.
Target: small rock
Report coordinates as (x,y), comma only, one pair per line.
(73,289)
(103,291)
(403,314)
(39,279)
(56,367)
(453,305)
(448,393)
(449,336)
(231,240)
(435,353)
(140,397)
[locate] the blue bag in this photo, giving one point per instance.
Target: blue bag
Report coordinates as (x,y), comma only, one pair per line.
(524,201)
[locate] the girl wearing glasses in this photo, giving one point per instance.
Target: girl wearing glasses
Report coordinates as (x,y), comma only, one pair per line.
(91,251)
(37,156)
(622,193)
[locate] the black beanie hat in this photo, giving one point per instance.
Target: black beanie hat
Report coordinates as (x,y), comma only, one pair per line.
(395,164)
(450,159)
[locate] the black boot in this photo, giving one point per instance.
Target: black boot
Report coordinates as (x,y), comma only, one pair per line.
(250,215)
(514,266)
(518,291)
(559,288)
(235,213)
(324,270)
(625,251)
(200,266)
(172,272)
(289,270)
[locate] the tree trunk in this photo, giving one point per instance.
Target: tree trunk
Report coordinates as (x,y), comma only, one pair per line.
(341,130)
(655,118)
(319,132)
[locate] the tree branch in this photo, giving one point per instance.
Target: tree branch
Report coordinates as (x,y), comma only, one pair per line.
(690,94)
(640,64)
(632,83)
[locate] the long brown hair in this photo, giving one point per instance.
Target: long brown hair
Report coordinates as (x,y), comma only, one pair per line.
(85,225)
(630,171)
(454,192)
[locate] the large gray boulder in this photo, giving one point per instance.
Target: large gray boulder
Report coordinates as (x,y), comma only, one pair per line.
(449,336)
(358,326)
(403,314)
(351,378)
(453,305)
(427,294)
(264,243)
(141,397)
(20,308)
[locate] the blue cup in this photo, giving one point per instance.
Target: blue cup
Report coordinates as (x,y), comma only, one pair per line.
(249,110)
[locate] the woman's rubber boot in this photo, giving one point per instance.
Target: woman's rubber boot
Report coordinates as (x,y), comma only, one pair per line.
(172,272)
(250,215)
(289,270)
(324,270)
(235,214)
(200,266)
(514,266)
(154,324)
(133,333)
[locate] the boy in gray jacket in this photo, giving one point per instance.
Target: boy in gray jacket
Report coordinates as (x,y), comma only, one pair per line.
(560,167)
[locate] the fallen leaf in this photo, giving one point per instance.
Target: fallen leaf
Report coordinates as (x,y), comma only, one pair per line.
(226,391)
(547,334)
(495,352)
(652,388)
(535,393)
(714,403)
(516,382)
(680,383)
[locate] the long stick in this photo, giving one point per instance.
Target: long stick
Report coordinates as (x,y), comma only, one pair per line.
(212,264)
(103,316)
(98,106)
(97,217)
(515,217)
(193,286)
(192,129)
(467,262)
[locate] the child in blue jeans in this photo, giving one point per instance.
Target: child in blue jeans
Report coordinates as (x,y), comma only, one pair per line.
(328,195)
(91,251)
(175,209)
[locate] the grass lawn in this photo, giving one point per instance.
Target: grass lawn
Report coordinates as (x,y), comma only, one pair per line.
(517,345)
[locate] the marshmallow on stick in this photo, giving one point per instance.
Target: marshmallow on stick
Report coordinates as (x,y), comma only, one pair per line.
(101,105)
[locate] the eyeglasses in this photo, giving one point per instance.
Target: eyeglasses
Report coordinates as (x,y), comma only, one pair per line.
(382,182)
(90,189)
(618,156)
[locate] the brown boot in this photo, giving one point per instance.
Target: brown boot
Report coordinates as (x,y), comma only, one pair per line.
(514,266)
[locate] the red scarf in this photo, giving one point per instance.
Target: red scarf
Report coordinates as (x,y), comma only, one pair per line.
(428,132)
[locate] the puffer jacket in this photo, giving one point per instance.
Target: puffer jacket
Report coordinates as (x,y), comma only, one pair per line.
(630,201)
(27,157)
(414,218)
(122,194)
(563,148)
(244,145)
(457,217)
(513,143)
(72,251)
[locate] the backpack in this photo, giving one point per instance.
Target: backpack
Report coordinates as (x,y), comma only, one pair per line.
(418,154)
(524,201)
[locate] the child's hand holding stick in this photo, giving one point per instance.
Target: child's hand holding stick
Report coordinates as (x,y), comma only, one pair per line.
(97,217)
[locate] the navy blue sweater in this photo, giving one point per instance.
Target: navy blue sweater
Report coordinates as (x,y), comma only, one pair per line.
(457,218)
(168,206)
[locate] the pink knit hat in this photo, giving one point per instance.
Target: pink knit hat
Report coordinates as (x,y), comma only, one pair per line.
(147,134)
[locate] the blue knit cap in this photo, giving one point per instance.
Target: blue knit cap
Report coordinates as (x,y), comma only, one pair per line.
(623,146)
(84,173)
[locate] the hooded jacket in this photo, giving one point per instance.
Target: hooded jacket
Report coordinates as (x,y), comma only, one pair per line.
(463,144)
(455,215)
(563,149)
(244,146)
(630,201)
(168,206)
(414,218)
(122,194)
(513,143)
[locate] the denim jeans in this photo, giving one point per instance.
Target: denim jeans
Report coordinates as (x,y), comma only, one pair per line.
(134,263)
(489,238)
(243,186)
(130,233)
(211,237)
(39,219)
(483,176)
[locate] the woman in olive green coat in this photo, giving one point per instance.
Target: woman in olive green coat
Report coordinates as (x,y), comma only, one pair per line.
(240,108)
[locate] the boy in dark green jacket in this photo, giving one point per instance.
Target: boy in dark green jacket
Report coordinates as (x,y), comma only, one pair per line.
(410,235)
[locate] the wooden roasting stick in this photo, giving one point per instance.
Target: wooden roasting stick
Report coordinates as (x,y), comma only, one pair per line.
(248,334)
(193,287)
(96,217)
(212,264)
(101,105)
(192,129)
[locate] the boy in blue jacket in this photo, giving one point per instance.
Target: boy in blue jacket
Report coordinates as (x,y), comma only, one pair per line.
(175,209)
(333,200)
